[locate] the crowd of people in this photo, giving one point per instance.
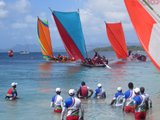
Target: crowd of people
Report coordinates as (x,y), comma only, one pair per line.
(62,58)
(136,56)
(96,60)
(132,101)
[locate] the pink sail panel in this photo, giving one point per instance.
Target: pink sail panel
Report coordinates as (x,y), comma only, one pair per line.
(116,37)
(147,29)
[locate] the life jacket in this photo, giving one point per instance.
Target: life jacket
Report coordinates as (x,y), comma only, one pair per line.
(9,93)
(84,91)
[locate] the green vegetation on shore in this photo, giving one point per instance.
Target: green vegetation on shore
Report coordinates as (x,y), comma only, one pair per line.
(133,48)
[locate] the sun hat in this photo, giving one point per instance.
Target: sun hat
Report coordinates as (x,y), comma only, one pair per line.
(71,91)
(99,85)
(14,84)
(136,90)
(58,89)
(119,88)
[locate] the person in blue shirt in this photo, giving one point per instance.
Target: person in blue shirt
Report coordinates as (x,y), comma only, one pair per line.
(57,101)
(100,92)
(139,105)
(118,98)
(72,106)
(128,101)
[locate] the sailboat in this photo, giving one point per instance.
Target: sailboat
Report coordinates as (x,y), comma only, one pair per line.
(70,30)
(116,37)
(147,27)
(44,39)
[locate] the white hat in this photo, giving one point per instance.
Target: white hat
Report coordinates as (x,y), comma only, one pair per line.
(119,88)
(71,91)
(14,84)
(136,90)
(99,85)
(58,89)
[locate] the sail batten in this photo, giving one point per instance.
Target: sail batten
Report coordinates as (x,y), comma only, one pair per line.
(44,38)
(116,37)
(146,28)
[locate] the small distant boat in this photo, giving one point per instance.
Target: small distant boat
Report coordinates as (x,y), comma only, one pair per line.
(10,53)
(24,52)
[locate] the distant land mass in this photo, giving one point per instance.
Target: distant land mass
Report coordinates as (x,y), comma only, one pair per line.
(109,48)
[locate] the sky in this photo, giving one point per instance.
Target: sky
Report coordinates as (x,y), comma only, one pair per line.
(18,21)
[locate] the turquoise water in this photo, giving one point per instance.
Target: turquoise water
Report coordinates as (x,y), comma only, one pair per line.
(38,79)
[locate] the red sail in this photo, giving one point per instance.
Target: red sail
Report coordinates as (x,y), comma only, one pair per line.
(116,37)
(146,28)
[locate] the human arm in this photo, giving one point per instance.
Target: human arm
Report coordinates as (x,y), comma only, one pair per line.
(150,103)
(51,104)
(82,112)
(78,93)
(113,100)
(91,93)
(63,113)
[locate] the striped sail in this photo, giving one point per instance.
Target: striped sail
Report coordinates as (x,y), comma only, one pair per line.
(44,38)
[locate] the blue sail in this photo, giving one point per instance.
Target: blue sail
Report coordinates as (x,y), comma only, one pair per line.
(72,24)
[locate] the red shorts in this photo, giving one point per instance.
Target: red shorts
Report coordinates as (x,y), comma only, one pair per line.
(128,109)
(140,115)
(72,117)
(57,111)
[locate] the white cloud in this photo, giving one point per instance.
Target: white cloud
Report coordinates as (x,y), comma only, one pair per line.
(22,6)
(27,22)
(3,11)
(95,12)
(19,25)
(30,19)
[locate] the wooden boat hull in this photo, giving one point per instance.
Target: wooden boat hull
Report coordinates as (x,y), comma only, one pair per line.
(96,65)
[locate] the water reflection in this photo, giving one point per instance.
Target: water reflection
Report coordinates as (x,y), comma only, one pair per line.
(45,69)
(118,70)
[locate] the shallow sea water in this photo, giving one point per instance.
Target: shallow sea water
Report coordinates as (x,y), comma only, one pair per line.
(37,80)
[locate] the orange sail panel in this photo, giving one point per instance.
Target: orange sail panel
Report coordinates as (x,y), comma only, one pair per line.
(147,29)
(116,37)
(44,38)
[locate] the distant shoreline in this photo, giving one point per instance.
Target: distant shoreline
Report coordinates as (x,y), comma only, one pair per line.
(109,48)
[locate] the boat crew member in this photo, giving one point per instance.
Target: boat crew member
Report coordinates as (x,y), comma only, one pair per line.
(57,101)
(12,92)
(139,105)
(118,98)
(72,106)
(148,101)
(84,91)
(100,92)
(10,53)
(128,101)
(105,60)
